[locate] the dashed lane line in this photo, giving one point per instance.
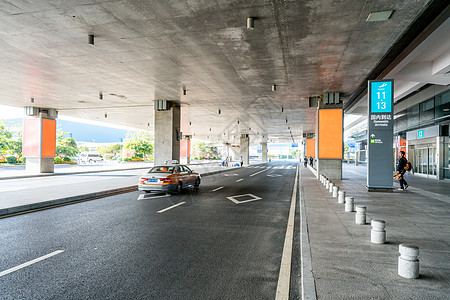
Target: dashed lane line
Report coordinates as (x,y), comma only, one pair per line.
(30,262)
(219,188)
(143,196)
(170,207)
(239,179)
(258,172)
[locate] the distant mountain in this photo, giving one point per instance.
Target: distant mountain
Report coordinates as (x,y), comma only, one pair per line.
(86,132)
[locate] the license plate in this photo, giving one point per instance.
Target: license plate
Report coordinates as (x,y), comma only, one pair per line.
(153,180)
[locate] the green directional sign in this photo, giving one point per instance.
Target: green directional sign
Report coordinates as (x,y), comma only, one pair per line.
(380,134)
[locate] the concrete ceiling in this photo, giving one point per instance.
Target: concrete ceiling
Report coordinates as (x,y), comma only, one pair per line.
(147,50)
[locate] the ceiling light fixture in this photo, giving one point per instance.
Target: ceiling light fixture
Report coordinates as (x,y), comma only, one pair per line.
(220,111)
(250,23)
(91,39)
(286,120)
(100,96)
(238,122)
(106,115)
(282,109)
(32,100)
(274,87)
(184,92)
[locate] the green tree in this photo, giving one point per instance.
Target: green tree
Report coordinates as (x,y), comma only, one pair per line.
(5,138)
(140,141)
(294,153)
(65,146)
(10,138)
(202,149)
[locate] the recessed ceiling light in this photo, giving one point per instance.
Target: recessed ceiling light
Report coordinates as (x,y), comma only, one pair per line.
(379,16)
(446,109)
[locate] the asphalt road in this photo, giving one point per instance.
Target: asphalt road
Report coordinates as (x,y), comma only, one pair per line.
(220,242)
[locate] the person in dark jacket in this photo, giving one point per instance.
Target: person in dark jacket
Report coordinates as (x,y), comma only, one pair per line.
(401,170)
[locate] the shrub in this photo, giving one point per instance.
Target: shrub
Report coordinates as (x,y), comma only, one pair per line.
(66,159)
(11,160)
(127,159)
(22,159)
(58,160)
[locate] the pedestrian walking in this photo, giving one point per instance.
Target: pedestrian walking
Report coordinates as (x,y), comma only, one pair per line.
(242,161)
(311,161)
(401,164)
(305,161)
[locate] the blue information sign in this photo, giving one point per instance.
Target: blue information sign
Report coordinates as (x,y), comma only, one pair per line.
(294,145)
(420,134)
(381,96)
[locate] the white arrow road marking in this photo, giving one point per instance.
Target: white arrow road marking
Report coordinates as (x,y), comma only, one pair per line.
(30,263)
(145,197)
(219,188)
(258,172)
(173,206)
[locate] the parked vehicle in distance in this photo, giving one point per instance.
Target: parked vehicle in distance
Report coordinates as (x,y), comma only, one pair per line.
(168,178)
(89,158)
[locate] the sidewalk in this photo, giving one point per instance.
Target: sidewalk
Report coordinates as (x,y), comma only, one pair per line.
(346,265)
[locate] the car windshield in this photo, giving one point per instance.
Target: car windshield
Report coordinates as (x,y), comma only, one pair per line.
(162,169)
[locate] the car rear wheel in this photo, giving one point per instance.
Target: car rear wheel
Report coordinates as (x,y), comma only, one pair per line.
(197,183)
(179,187)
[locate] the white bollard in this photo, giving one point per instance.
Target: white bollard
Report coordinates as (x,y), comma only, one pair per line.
(360,217)
(330,187)
(341,197)
(378,234)
(327,183)
(408,264)
(349,204)
(321,177)
(335,191)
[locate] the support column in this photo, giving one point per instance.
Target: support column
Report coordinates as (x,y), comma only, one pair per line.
(185,149)
(441,155)
(329,141)
(264,152)
(39,140)
(244,149)
(167,134)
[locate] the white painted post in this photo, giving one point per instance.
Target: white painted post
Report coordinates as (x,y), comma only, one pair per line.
(408,263)
(330,187)
(349,204)
(341,197)
(335,191)
(378,234)
(327,183)
(360,217)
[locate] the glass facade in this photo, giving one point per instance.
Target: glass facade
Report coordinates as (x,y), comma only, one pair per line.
(442,107)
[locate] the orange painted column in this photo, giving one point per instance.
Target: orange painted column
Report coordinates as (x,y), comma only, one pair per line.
(329,142)
(39,143)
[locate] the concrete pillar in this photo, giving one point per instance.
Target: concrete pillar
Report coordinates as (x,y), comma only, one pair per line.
(264,152)
(244,149)
(167,135)
(39,140)
(441,155)
(188,149)
(329,140)
(357,158)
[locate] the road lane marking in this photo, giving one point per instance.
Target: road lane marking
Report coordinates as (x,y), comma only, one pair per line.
(253,198)
(258,172)
(239,179)
(143,196)
(286,260)
(274,175)
(233,174)
(219,188)
(30,263)
(173,206)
